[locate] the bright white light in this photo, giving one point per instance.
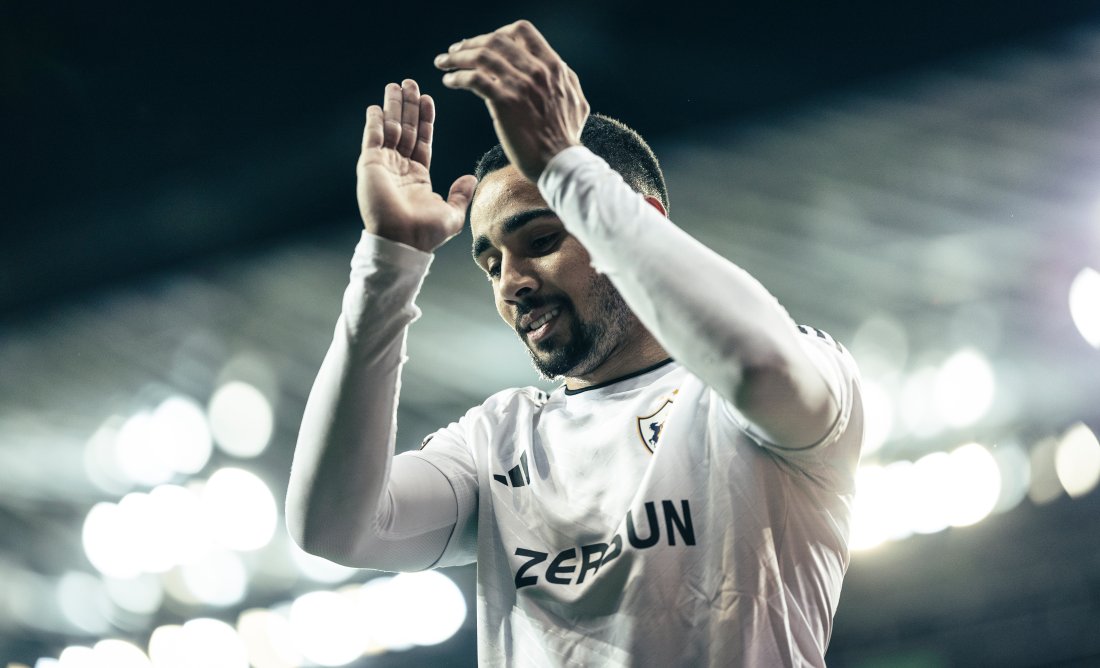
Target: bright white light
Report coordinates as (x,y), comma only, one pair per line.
(78,657)
(209,643)
(1084,304)
(964,388)
(433,606)
(381,616)
(1077,460)
(47,662)
(141,595)
(108,542)
(240,509)
(218,579)
(177,524)
(931,494)
(83,600)
(241,419)
(141,452)
(975,485)
(878,416)
(268,637)
(181,425)
(317,569)
(917,403)
(120,654)
(872,514)
(168,647)
(326,629)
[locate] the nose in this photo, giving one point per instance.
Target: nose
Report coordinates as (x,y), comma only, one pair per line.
(518,278)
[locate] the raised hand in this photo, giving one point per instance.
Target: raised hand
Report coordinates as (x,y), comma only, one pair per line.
(394,188)
(535,100)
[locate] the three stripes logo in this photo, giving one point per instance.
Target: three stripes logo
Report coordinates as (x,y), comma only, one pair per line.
(518,476)
(813,331)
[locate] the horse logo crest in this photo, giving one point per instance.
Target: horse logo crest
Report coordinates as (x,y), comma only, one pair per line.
(650,426)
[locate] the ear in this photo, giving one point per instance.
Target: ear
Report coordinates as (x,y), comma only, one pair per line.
(656,204)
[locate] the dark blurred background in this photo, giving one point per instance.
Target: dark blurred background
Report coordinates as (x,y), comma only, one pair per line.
(922,180)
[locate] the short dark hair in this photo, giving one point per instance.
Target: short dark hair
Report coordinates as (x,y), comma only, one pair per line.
(623,149)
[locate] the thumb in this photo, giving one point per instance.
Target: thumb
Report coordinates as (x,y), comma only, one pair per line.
(462,191)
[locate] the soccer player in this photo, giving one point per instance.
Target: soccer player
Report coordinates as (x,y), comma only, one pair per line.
(682,499)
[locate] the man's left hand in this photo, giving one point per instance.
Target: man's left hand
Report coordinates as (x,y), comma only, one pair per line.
(535,100)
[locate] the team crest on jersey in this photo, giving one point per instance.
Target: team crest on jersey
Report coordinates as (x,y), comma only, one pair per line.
(650,426)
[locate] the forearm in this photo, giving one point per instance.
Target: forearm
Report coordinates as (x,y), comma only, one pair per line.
(340,495)
(708,313)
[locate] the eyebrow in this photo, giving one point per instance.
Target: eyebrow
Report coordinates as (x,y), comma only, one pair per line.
(511,224)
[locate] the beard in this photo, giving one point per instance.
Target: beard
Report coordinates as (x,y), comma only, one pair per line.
(590,342)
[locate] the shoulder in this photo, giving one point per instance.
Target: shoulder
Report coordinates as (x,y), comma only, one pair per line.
(507,404)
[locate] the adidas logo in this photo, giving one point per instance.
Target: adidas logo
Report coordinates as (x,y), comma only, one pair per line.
(518,475)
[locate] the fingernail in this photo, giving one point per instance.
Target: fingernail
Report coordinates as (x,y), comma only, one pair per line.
(439,58)
(454,47)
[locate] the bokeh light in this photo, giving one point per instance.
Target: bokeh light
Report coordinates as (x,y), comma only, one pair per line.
(1084,304)
(975,484)
(267,636)
(326,629)
(434,606)
(878,415)
(180,423)
(881,347)
(1077,460)
(83,600)
(239,509)
(218,579)
(241,419)
(140,595)
(205,642)
(964,388)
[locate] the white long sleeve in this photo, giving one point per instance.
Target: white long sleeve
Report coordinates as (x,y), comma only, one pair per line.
(708,313)
(349,499)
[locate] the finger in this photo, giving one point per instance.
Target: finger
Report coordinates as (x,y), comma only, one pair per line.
(462,190)
(477,81)
(372,132)
(422,152)
(410,117)
(391,116)
(522,32)
(503,58)
(527,34)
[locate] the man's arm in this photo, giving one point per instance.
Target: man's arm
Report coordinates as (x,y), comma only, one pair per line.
(349,499)
(707,313)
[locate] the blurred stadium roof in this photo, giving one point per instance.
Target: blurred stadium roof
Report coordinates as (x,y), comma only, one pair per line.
(919,179)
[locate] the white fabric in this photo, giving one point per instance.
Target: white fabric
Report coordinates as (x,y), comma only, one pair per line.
(642,523)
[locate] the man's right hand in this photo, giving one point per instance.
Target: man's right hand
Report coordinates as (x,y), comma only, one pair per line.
(394,188)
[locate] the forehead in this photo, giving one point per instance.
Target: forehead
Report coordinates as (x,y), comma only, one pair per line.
(501,194)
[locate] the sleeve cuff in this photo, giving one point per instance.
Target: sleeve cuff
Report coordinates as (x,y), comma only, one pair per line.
(372,250)
(561,166)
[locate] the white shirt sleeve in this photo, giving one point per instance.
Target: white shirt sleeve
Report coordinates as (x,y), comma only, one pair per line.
(708,313)
(349,499)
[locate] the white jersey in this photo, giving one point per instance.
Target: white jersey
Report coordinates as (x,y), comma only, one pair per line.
(640,523)
(644,522)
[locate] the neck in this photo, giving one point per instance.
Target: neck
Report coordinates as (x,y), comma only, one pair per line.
(635,354)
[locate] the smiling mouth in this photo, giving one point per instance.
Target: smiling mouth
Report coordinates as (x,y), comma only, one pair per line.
(543,320)
(540,328)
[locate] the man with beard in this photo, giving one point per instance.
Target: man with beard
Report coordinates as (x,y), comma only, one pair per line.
(683,499)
